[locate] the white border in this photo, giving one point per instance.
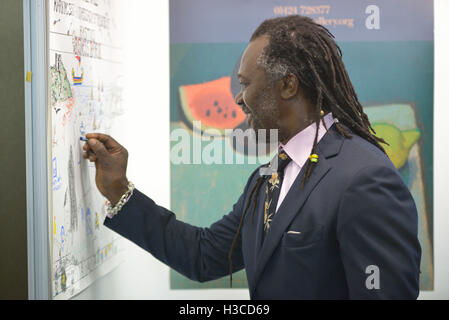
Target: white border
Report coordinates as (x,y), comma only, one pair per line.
(35,55)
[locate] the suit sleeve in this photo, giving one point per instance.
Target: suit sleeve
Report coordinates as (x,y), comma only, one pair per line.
(377,234)
(201,254)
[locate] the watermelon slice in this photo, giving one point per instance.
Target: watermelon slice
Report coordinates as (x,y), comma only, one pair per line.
(211,103)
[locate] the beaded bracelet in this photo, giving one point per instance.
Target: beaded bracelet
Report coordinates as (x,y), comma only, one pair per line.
(112,211)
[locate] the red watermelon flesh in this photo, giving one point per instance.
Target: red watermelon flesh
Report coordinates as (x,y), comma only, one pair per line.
(211,103)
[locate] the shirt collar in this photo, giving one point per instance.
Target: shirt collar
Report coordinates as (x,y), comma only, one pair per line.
(300,146)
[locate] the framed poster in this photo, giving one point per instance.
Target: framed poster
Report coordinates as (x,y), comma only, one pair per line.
(388,49)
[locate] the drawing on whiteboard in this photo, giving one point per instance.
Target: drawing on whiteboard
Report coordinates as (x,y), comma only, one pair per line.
(62,235)
(89,230)
(60,89)
(87,99)
(72,194)
(63,280)
(78,77)
(56,177)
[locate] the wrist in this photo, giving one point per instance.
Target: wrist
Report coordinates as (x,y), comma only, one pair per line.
(119,188)
(113,209)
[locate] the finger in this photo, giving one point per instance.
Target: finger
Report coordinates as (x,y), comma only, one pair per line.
(107,140)
(87,154)
(98,149)
(86,147)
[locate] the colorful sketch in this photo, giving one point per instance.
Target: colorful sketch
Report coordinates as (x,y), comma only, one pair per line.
(88,100)
(78,76)
(60,89)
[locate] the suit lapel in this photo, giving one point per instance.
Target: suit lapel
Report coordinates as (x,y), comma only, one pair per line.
(260,226)
(328,146)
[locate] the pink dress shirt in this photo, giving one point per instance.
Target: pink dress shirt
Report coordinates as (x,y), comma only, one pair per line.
(298,148)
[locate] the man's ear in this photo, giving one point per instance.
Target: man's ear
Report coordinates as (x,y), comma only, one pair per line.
(289,86)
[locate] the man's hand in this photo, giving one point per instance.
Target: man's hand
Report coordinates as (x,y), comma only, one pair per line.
(111,160)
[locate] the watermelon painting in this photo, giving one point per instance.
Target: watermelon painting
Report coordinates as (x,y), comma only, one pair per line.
(212,103)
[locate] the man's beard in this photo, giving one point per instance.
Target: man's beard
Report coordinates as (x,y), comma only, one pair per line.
(269,111)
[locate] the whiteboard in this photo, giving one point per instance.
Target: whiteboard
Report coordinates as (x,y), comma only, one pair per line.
(85,87)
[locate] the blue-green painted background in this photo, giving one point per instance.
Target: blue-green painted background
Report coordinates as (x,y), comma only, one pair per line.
(381,72)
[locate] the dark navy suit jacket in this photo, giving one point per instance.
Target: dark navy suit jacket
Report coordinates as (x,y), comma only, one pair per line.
(353,213)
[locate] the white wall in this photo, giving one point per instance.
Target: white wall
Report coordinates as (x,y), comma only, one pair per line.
(147,129)
(441,155)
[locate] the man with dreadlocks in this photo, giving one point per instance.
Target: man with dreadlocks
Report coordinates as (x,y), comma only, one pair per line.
(334,220)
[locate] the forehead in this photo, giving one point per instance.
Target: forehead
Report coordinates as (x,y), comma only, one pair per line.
(248,64)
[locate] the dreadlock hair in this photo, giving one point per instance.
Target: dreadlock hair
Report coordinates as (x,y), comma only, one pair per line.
(297,45)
